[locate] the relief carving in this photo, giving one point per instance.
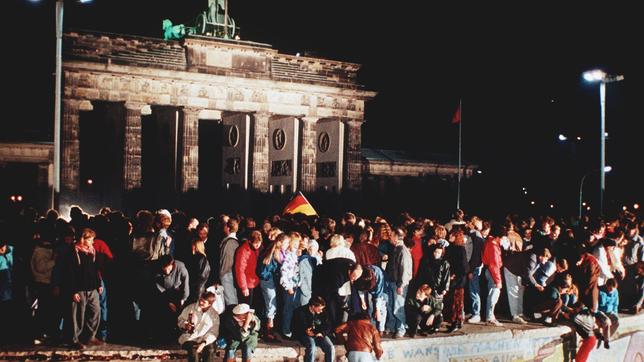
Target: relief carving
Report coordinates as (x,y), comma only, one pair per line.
(323,142)
(233,136)
(326,169)
(233,166)
(281,168)
(279,139)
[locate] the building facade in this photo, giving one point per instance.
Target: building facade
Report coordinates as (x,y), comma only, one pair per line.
(277,122)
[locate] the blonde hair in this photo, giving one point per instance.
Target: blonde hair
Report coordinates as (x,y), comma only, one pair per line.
(384,232)
(274,233)
(440,232)
(295,240)
(274,249)
(336,240)
(198,246)
(88,233)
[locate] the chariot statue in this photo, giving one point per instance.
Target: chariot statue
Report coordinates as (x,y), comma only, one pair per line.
(215,21)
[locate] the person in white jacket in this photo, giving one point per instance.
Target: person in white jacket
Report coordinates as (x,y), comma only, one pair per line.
(199,323)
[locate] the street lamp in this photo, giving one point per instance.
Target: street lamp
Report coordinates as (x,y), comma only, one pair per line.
(581,187)
(603,78)
(57,96)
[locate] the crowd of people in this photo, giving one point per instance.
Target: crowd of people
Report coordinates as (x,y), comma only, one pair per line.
(230,281)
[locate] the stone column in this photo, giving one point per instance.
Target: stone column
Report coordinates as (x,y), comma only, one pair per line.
(353,159)
(190,150)
(309,152)
(260,152)
(70,155)
(132,146)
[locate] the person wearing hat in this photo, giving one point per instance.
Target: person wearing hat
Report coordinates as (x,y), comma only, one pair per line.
(199,324)
(240,328)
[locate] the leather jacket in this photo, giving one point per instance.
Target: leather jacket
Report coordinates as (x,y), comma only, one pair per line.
(362,336)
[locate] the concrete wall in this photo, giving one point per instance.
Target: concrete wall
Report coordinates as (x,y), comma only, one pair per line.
(533,343)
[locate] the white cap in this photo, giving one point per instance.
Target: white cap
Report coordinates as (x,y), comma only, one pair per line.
(242,308)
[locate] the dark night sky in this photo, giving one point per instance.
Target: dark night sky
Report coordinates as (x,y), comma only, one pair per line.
(518,71)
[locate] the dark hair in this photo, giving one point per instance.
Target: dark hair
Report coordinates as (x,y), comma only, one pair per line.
(498,230)
(595,225)
(2,243)
(165,260)
(563,263)
(367,281)
(317,301)
(209,296)
(612,282)
(560,281)
(608,242)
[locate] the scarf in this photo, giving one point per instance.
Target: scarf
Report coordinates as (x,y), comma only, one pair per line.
(87,250)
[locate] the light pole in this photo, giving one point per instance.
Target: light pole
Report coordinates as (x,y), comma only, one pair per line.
(603,78)
(581,186)
(57,100)
(57,96)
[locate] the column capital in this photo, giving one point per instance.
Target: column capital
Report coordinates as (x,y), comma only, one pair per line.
(138,107)
(85,105)
(353,122)
(192,111)
(71,104)
(310,119)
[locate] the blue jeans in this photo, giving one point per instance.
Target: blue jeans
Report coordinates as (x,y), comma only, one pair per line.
(357,356)
(325,345)
(230,292)
(102,329)
(270,297)
(475,290)
(381,305)
(396,321)
(287,311)
(492,296)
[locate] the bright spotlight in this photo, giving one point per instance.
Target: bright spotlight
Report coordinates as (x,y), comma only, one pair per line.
(562,137)
(594,75)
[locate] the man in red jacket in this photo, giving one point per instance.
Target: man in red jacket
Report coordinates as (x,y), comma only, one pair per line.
(493,263)
(245,267)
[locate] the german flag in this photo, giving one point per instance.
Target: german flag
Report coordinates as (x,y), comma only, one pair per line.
(299,204)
